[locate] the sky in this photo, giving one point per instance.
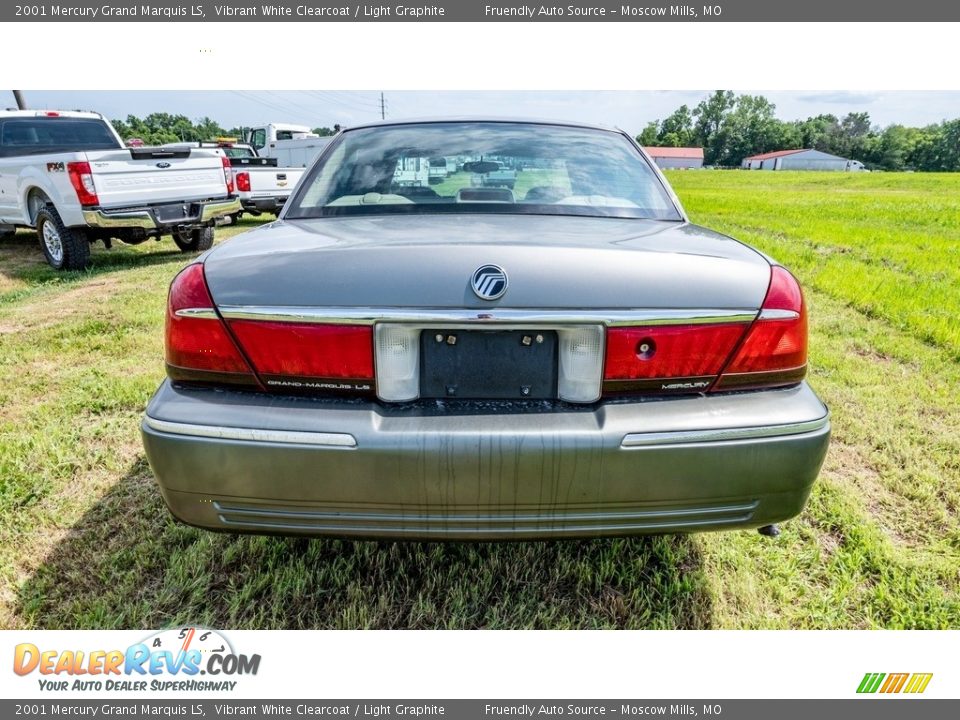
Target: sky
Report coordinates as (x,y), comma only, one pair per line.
(629,110)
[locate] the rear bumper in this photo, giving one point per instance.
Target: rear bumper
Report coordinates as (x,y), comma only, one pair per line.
(146,218)
(264,204)
(244,462)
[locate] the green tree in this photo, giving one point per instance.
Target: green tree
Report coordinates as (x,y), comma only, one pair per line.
(708,118)
(161,128)
(677,129)
(650,134)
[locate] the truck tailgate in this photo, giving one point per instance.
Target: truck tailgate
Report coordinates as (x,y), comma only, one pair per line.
(136,177)
(271,180)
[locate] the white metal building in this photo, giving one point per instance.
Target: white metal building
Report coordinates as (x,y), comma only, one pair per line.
(801,160)
(676,157)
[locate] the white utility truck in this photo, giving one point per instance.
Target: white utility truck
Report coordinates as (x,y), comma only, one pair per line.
(68,175)
(291,145)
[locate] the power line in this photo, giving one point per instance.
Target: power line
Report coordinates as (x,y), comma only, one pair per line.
(351,103)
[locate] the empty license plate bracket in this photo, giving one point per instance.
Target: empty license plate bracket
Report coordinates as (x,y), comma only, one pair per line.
(485,364)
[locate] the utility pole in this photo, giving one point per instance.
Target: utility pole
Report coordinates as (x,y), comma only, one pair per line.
(18,96)
(383,107)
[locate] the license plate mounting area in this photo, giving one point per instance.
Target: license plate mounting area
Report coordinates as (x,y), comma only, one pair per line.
(488,364)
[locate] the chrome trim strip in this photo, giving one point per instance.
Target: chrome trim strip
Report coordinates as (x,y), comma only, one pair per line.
(370,316)
(305,512)
(220,208)
(683,437)
(120,219)
(143,218)
(252,434)
(207,313)
(778,315)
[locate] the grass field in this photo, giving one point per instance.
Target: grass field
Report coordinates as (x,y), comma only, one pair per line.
(86,542)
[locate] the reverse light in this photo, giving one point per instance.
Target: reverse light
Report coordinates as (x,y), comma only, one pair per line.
(581,362)
(227,173)
(397,350)
(774,352)
(198,346)
(81,177)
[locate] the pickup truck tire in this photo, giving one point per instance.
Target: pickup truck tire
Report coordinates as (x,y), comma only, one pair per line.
(65,248)
(194,240)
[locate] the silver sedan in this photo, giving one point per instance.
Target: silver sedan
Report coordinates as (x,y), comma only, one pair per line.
(483,330)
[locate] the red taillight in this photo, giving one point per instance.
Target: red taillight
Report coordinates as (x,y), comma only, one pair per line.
(227,174)
(198,346)
(668,358)
(243,181)
(769,352)
(286,354)
(81,177)
(775,349)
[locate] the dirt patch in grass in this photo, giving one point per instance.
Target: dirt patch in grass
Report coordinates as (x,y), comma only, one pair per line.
(872,355)
(52,309)
(847,465)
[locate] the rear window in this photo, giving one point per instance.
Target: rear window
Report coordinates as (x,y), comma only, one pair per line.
(238,152)
(483,167)
(37,136)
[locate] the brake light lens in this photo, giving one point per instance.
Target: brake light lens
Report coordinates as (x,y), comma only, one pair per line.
(243,181)
(198,346)
(774,353)
(668,358)
(227,173)
(81,177)
(308,356)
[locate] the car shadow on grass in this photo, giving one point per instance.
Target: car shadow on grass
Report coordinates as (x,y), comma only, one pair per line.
(126,563)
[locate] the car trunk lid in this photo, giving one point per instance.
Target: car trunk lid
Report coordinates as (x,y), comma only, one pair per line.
(551,262)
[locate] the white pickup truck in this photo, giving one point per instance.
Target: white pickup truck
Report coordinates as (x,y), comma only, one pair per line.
(68,175)
(261,185)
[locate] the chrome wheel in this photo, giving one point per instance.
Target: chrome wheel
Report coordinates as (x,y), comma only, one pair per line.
(51,239)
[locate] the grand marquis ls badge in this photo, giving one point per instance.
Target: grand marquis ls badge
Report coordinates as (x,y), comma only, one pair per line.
(489,282)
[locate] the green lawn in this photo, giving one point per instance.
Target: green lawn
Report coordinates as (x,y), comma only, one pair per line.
(85,540)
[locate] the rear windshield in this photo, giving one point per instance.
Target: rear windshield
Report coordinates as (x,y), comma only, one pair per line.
(36,136)
(238,152)
(520,168)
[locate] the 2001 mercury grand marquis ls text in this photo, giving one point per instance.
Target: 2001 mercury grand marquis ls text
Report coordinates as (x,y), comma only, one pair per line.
(482,330)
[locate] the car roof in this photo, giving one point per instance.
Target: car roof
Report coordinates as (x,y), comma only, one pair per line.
(484,119)
(49,112)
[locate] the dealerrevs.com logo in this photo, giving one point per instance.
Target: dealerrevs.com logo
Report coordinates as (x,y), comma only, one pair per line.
(180,659)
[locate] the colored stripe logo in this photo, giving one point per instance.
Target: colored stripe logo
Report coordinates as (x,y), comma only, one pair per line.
(913,683)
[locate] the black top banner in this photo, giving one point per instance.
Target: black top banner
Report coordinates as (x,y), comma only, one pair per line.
(487,11)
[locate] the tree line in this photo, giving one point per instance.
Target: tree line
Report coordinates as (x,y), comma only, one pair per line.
(164,128)
(731,127)
(728,127)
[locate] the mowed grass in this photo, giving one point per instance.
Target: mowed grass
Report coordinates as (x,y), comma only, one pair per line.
(85,540)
